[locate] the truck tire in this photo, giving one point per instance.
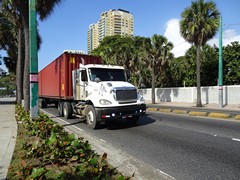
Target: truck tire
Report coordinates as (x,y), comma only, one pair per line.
(67,110)
(60,109)
(91,117)
(42,103)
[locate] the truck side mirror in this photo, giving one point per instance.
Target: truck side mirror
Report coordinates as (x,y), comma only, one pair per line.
(97,80)
(84,76)
(128,73)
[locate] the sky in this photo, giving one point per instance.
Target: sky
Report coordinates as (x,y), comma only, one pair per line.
(66,28)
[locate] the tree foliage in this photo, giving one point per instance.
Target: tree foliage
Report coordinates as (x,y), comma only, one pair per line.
(231,64)
(116,50)
(7,84)
(209,66)
(177,70)
(183,73)
(8,41)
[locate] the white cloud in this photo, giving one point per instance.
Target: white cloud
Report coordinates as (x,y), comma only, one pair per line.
(172,33)
(228,36)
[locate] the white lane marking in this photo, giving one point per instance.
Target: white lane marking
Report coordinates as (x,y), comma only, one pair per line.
(215,135)
(78,128)
(103,140)
(166,174)
(235,139)
(63,120)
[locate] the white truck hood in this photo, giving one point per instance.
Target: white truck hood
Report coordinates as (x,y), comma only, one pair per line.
(117,84)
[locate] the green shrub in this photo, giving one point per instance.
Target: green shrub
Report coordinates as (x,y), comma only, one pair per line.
(51,153)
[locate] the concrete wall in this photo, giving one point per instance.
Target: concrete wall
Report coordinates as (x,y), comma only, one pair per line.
(231,94)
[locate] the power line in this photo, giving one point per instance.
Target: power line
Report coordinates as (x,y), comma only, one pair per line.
(180,43)
(227,25)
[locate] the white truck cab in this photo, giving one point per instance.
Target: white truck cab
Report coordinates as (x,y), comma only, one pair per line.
(103,93)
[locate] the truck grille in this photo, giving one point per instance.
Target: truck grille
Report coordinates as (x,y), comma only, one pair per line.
(125,95)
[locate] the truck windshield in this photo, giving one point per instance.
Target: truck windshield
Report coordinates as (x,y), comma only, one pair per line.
(105,74)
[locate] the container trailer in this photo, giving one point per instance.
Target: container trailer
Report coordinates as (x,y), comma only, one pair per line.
(80,85)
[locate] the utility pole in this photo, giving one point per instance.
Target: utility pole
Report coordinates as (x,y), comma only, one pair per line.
(220,68)
(33,60)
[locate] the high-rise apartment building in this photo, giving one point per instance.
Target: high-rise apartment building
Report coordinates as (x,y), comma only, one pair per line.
(92,37)
(112,22)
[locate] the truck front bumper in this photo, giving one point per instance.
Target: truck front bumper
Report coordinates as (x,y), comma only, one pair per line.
(121,112)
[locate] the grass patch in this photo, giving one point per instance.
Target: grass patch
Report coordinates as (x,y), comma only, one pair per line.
(44,150)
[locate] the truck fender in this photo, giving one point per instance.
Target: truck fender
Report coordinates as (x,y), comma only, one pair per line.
(93,99)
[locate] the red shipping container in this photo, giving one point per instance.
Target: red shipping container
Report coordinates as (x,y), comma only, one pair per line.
(55,80)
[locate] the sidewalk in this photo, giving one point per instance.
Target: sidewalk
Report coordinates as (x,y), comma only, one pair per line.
(8,134)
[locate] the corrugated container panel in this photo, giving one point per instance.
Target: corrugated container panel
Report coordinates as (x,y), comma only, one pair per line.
(55,80)
(49,80)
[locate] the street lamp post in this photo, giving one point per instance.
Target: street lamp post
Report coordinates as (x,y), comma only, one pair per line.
(33,60)
(220,67)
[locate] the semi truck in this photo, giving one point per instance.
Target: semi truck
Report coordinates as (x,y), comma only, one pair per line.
(80,85)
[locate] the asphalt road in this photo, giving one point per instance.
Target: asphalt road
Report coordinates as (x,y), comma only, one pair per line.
(181,146)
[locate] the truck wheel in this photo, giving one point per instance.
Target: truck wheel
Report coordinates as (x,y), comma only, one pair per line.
(91,117)
(60,109)
(67,110)
(42,103)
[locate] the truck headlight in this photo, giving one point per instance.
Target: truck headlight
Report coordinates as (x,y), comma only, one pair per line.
(104,102)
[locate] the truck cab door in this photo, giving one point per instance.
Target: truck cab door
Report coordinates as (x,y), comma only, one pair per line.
(83,84)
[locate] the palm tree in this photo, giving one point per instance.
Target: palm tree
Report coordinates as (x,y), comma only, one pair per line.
(157,51)
(20,66)
(139,62)
(160,53)
(199,23)
(143,44)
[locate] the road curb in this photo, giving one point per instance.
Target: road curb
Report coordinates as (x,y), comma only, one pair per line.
(194,113)
(176,111)
(219,115)
(152,109)
(197,113)
(165,110)
(237,117)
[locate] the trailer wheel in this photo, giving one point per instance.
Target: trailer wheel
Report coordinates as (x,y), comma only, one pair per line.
(91,117)
(42,103)
(67,110)
(60,109)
